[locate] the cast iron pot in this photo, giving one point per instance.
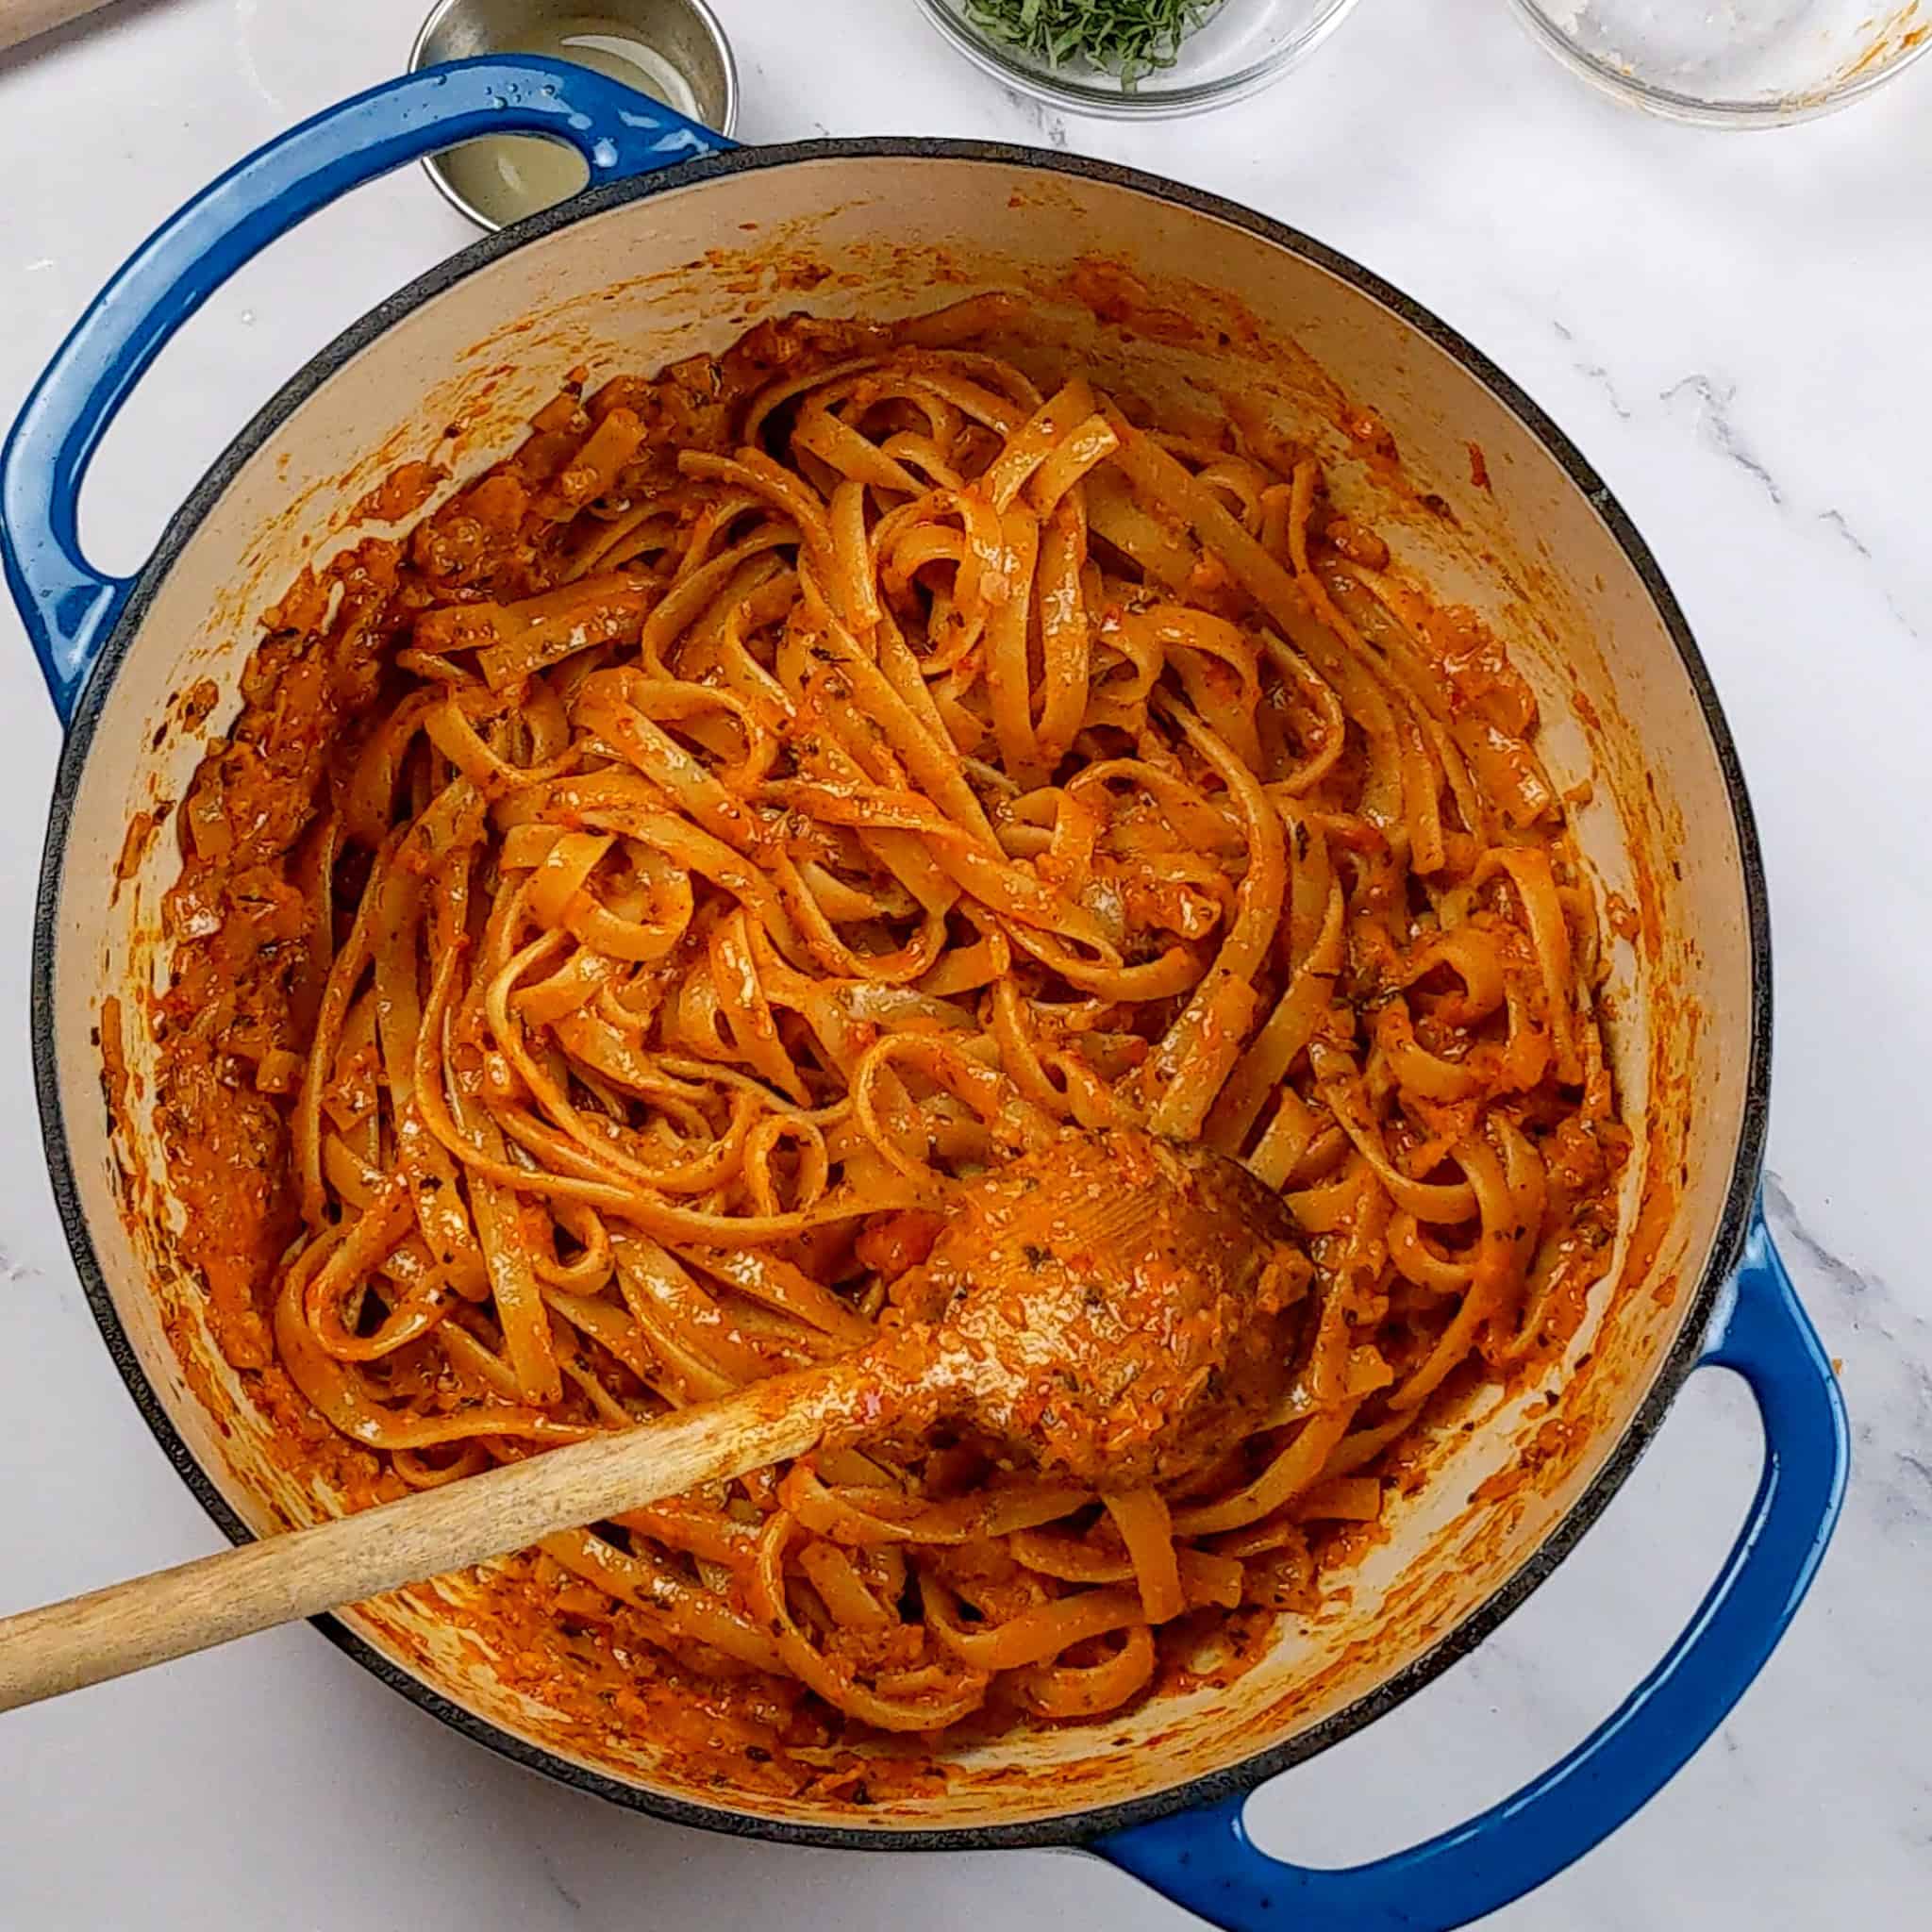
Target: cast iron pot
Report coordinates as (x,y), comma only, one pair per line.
(678,245)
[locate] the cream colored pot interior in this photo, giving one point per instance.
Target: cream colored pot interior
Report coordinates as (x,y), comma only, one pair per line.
(1211,308)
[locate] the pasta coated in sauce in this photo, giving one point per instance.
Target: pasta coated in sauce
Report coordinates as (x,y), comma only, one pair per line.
(625,910)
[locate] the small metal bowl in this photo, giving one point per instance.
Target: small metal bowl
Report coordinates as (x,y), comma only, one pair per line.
(684,35)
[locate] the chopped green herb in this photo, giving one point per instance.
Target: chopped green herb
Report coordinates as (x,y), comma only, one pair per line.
(1128,39)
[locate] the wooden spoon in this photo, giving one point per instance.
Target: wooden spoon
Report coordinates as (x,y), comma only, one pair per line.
(1114,1306)
(22,20)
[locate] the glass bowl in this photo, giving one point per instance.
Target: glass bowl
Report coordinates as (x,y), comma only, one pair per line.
(1239,47)
(1734,64)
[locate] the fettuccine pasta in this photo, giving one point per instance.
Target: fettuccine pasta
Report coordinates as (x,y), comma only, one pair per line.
(627,907)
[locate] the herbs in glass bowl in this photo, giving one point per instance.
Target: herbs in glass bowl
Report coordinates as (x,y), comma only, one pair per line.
(1134,59)
(1127,39)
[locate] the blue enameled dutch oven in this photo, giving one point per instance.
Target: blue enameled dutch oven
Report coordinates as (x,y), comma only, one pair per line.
(678,245)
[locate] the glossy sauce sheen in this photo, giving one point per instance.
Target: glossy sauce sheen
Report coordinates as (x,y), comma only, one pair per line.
(649,923)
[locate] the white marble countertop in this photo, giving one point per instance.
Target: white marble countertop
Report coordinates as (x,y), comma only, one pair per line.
(1735,329)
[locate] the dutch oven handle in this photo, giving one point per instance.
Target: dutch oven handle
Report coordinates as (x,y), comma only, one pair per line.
(67,606)
(1205,1861)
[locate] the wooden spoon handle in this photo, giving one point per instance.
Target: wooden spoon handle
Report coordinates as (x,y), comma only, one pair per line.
(174,1612)
(20,20)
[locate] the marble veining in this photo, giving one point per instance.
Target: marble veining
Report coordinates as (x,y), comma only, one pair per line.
(1596,373)
(1715,428)
(1733,328)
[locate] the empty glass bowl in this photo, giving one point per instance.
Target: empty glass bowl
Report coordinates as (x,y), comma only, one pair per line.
(1734,64)
(1240,46)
